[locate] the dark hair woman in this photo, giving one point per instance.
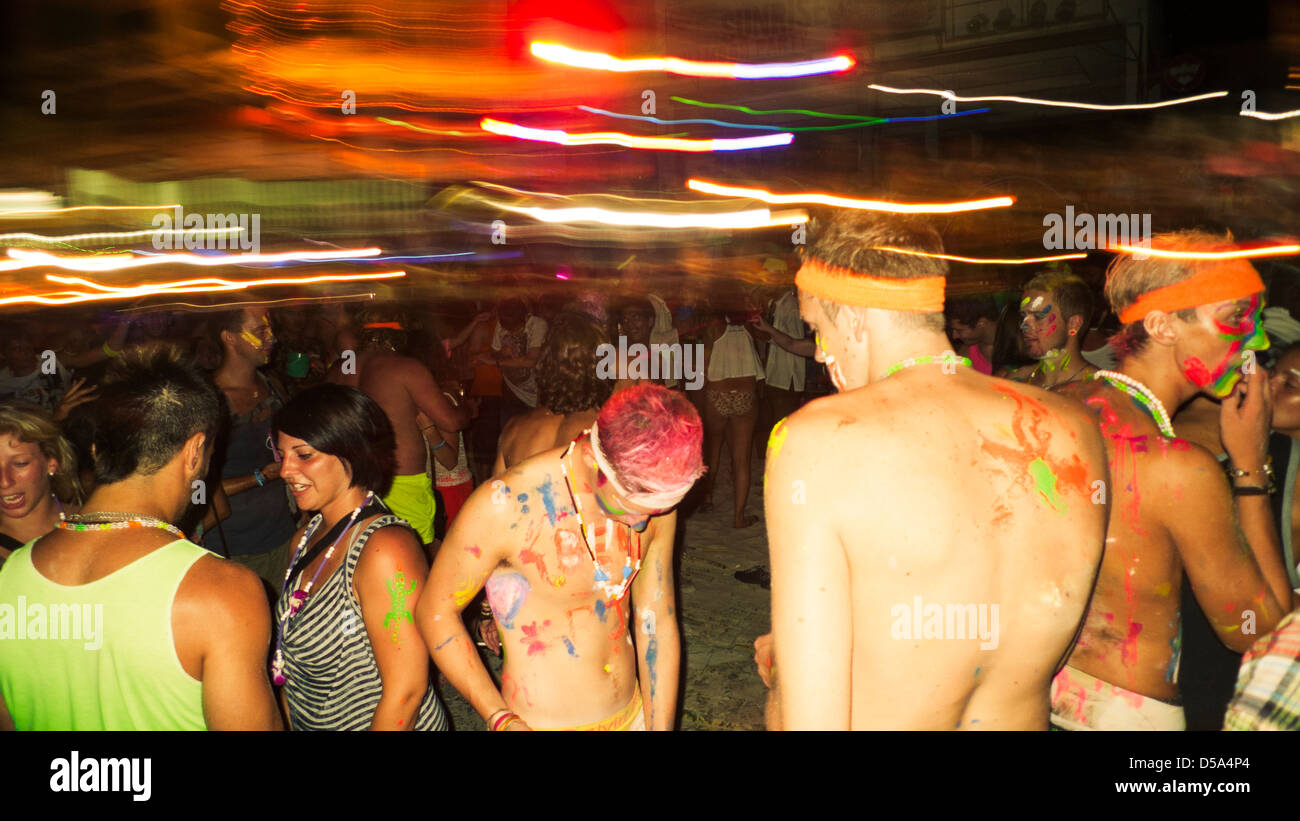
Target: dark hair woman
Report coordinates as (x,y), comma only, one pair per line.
(348,653)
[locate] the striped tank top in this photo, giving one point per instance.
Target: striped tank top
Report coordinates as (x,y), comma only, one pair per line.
(333,678)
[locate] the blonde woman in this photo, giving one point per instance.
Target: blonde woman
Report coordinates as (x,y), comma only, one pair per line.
(38,476)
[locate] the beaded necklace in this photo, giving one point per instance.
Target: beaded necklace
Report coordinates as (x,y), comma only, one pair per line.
(947,358)
(299,597)
(114,521)
(630,570)
(1143,395)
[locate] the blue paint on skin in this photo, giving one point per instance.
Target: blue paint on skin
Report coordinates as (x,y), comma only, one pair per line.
(523,497)
(444,644)
(651,656)
(568,645)
(548,498)
(601,575)
(627,571)
(600,609)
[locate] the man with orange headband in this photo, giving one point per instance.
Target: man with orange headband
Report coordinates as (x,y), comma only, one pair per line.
(932,532)
(575,547)
(1191,325)
(404,388)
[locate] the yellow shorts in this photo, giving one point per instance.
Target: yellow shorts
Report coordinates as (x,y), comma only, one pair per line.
(411,497)
(631,718)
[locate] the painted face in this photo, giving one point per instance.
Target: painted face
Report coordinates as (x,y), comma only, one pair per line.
(831,343)
(1285,381)
(619,509)
(314,478)
(24,476)
(256,334)
(1041,323)
(1216,349)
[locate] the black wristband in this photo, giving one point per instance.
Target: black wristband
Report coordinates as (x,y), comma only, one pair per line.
(1250,490)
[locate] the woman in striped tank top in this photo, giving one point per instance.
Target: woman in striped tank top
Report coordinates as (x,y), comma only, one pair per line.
(348,654)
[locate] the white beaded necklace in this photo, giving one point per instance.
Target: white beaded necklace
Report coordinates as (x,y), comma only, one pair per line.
(1142,394)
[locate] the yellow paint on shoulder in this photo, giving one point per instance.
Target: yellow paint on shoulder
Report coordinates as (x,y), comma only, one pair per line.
(1162,589)
(777,439)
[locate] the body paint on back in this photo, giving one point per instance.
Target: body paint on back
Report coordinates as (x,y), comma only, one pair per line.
(1031,447)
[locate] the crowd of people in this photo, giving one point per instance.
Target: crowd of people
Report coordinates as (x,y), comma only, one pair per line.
(1065,510)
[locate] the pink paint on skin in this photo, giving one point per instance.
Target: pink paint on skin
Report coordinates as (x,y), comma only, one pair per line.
(1129,653)
(474,550)
(530,638)
(1196,371)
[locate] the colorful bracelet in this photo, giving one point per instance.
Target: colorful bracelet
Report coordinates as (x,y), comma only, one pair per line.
(502,719)
(109,352)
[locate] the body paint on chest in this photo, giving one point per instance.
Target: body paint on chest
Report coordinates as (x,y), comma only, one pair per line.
(506,594)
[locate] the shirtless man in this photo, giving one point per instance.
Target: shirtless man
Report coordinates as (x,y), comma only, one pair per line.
(404,388)
(561,540)
(1055,309)
(569,393)
(1189,326)
(180,637)
(932,530)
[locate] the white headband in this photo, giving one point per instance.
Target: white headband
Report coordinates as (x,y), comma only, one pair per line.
(663,500)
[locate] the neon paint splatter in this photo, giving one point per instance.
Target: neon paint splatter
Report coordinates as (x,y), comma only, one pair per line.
(532,557)
(1162,589)
(568,548)
(474,550)
(461,596)
(600,610)
(530,638)
(1031,443)
(1129,652)
(568,645)
(445,642)
(1045,482)
(652,647)
(398,590)
(547,492)
(506,594)
(777,439)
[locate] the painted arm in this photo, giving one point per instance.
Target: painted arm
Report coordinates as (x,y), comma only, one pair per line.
(467,557)
(388,582)
(811,602)
(658,640)
(1224,568)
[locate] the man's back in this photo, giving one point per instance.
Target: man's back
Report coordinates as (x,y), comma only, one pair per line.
(536,431)
(961,511)
(117,637)
(386,378)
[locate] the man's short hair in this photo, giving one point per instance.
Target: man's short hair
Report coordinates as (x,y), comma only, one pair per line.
(1128,279)
(152,400)
(344,422)
(566,370)
(849,239)
(1073,296)
(652,437)
(969,310)
(392,338)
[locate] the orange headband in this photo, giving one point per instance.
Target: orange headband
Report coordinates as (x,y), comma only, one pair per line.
(394,326)
(830,282)
(1215,284)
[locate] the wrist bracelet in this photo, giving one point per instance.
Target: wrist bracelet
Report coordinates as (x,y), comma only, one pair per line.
(502,719)
(109,352)
(1251,490)
(440,444)
(257,474)
(1238,473)
(491,720)
(511,719)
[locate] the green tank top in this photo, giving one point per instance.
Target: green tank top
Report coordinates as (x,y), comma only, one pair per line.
(97,656)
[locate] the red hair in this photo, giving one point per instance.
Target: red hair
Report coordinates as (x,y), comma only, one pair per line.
(652,438)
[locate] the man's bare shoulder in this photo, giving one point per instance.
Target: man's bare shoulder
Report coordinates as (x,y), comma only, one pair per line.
(216,585)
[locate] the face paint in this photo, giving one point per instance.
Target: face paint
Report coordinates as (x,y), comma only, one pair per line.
(1248,334)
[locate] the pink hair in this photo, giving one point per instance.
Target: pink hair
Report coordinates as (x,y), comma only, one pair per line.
(652,437)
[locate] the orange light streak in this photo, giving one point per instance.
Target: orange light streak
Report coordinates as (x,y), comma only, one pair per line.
(706,187)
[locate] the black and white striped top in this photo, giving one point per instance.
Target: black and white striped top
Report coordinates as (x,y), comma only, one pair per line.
(334,681)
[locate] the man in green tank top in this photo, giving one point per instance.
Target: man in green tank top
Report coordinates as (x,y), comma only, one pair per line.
(115,621)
